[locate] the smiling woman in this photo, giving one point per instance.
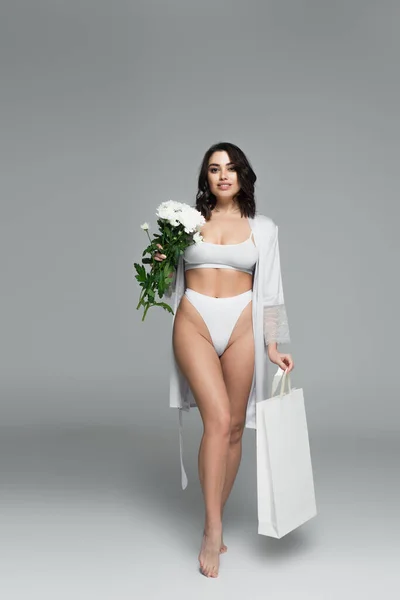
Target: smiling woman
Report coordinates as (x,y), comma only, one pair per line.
(225,168)
(228,291)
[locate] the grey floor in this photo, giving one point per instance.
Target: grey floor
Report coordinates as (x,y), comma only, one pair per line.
(95,511)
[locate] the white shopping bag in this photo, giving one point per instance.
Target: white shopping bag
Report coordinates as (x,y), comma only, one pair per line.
(285,484)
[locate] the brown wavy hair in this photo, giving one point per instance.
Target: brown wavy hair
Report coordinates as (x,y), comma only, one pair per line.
(206,201)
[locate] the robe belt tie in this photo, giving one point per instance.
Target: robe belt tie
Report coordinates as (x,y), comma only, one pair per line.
(184,479)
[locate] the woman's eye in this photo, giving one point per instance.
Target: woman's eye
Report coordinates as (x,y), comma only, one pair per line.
(214,169)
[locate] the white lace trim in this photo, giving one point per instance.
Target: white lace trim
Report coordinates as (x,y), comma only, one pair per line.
(276,326)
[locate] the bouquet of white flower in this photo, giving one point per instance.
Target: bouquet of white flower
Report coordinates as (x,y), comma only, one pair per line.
(179,226)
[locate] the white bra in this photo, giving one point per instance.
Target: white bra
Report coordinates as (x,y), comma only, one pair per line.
(241,257)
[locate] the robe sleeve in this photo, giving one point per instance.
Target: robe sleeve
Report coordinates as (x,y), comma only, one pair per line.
(275,322)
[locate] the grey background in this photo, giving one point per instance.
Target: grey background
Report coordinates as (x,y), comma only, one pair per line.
(106,110)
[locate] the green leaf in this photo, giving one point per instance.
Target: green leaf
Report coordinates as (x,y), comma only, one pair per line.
(141,272)
(165,306)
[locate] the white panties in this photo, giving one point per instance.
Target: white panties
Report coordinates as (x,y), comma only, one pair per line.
(219,314)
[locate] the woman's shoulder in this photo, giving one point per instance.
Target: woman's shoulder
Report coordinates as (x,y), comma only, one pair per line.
(265,222)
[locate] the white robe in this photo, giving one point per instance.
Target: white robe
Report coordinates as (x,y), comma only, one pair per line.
(268,317)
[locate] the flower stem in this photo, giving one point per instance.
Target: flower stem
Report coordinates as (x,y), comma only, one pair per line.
(145,311)
(142,293)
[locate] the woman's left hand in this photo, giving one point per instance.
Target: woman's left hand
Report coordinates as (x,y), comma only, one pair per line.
(284,361)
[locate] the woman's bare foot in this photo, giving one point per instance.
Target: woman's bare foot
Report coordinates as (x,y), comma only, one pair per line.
(209,553)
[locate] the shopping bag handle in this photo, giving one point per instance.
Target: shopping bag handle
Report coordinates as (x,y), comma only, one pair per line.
(282,382)
(278,379)
(285,377)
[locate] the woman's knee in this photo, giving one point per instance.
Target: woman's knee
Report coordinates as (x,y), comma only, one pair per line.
(219,425)
(236,431)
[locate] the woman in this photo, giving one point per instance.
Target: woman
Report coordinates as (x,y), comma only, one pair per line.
(228,296)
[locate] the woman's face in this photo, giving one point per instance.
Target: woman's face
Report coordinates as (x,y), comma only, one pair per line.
(222,176)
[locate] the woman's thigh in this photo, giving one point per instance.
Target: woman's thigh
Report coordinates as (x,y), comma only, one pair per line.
(200,364)
(237,363)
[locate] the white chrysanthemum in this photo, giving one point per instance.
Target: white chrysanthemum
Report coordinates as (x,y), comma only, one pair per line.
(145,226)
(165,212)
(191,219)
(177,213)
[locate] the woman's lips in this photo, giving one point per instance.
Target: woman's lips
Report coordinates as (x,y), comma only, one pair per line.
(224,186)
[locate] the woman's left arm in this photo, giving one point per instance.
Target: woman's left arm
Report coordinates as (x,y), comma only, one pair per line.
(276,326)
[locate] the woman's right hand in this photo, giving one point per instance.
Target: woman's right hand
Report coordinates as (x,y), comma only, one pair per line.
(158,256)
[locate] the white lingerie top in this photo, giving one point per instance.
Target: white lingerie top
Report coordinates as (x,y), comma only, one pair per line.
(241,257)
